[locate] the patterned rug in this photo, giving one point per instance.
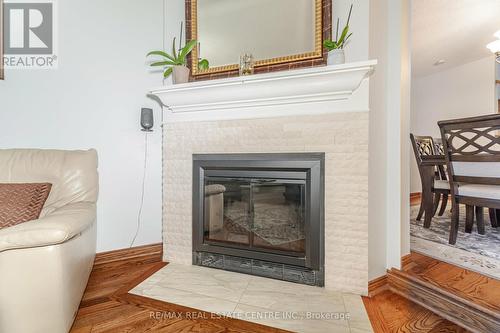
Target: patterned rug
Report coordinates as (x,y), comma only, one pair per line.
(486,245)
(275,224)
(473,251)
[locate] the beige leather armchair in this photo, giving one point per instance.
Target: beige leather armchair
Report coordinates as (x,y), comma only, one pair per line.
(45,264)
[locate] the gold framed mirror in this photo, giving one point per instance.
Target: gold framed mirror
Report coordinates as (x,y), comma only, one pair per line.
(280,34)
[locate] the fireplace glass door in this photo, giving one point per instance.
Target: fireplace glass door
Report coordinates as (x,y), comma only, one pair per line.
(261,214)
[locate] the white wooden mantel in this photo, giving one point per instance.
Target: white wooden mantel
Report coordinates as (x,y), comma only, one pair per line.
(296,92)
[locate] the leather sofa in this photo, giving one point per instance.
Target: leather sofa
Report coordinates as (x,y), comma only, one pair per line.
(45,263)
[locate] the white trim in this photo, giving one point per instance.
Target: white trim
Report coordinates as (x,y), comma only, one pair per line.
(252,96)
(397,96)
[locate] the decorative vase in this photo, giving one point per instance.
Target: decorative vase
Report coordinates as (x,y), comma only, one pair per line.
(180,74)
(246,64)
(336,57)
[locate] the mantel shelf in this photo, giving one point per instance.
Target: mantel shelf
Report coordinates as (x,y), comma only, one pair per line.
(242,94)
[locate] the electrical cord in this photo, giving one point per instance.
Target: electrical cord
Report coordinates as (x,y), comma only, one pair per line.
(143,188)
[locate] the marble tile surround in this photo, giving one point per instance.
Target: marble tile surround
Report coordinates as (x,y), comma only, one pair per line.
(256,299)
(344,139)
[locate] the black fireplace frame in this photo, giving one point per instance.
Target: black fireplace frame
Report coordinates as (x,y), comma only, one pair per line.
(240,165)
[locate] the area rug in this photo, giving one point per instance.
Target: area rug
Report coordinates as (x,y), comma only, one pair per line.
(473,251)
(276,224)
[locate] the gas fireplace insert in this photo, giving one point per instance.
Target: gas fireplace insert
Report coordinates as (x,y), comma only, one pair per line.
(260,214)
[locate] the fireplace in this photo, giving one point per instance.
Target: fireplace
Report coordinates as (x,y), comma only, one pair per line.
(260,214)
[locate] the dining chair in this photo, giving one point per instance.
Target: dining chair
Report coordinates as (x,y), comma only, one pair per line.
(441,174)
(435,186)
(493,213)
(472,151)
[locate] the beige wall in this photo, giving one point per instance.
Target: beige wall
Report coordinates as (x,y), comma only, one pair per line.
(458,92)
(389,130)
(93,100)
(344,139)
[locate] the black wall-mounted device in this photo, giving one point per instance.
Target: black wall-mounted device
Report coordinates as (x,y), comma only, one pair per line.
(147,120)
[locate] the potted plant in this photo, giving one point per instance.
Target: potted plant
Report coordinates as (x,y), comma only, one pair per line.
(203,64)
(335,47)
(175,63)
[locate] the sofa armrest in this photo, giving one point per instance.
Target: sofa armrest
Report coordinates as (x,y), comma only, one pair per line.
(54,228)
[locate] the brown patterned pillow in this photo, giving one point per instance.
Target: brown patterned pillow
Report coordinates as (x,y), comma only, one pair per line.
(22,202)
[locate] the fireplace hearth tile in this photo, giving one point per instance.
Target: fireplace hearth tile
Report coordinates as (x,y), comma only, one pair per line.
(285,296)
(257,298)
(358,317)
(189,299)
(245,312)
(208,282)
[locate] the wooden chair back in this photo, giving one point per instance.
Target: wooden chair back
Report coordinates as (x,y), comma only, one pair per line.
(439,150)
(428,146)
(422,146)
(472,149)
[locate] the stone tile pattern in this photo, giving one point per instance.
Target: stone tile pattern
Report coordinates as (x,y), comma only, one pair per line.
(245,297)
(344,139)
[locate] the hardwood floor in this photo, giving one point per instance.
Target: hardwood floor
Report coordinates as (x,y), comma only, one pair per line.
(474,287)
(415,198)
(152,251)
(107,307)
(391,313)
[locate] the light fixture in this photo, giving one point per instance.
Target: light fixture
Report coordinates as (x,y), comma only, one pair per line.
(494,47)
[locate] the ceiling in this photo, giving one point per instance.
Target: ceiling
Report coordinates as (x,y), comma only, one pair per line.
(456,31)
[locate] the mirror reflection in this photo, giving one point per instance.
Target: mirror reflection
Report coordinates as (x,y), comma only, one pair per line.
(267,29)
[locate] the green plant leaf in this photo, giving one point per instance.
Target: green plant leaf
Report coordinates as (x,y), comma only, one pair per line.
(330,45)
(186,50)
(163,63)
(337,30)
(349,17)
(344,43)
(203,64)
(161,53)
(168,72)
(341,40)
(174,52)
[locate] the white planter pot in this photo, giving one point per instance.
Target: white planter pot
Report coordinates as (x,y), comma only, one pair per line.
(180,74)
(336,57)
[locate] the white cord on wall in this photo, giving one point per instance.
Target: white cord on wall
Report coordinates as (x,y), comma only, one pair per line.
(143,188)
(146,142)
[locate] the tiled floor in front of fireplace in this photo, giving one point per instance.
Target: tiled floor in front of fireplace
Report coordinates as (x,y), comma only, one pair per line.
(280,304)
